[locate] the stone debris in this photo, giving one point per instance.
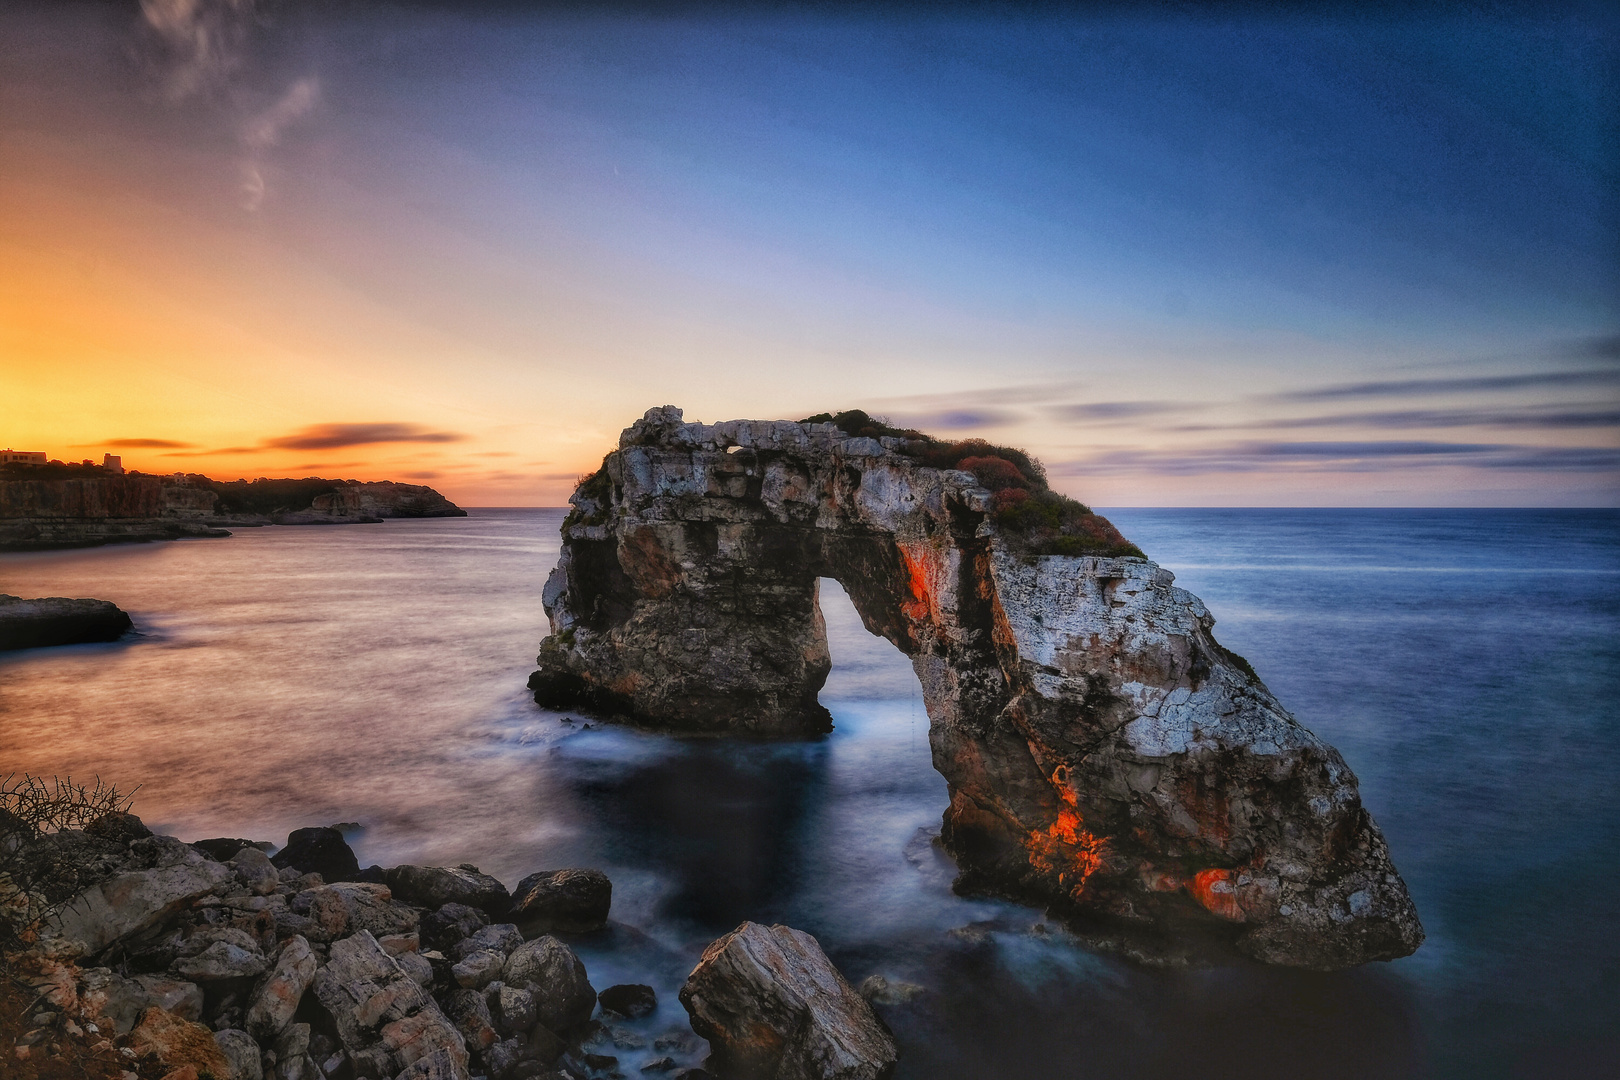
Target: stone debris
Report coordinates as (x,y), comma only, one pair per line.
(772,1005)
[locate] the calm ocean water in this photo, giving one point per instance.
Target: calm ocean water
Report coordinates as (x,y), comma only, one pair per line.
(1466,662)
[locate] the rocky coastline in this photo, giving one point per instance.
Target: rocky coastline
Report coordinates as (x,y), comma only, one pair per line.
(146,958)
(64,506)
(57,620)
(1106,757)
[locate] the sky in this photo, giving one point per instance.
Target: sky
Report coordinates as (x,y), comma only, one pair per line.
(1265,256)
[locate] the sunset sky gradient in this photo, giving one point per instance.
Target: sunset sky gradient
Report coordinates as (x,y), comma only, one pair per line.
(1254,259)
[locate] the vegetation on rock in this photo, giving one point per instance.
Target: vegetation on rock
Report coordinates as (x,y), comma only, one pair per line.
(1030,516)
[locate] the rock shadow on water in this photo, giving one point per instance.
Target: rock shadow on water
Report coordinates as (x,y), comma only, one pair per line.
(994,1009)
(719,821)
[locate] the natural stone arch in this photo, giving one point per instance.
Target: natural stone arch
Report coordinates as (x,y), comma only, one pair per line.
(1104,754)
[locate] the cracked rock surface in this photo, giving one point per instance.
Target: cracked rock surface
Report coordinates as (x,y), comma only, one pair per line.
(1105,756)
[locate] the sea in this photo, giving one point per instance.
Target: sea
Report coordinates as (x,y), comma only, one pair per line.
(1465,662)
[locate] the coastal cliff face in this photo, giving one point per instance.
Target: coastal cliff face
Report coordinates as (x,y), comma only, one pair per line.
(81,507)
(1105,755)
(74,511)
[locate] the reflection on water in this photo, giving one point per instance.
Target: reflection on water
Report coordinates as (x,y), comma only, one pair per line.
(293,676)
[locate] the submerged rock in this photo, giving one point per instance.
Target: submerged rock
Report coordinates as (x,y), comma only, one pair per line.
(1105,755)
(772,1005)
(57,620)
(630,1000)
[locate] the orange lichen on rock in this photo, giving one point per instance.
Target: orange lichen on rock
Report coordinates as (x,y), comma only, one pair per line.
(1066,846)
(1216,889)
(920,606)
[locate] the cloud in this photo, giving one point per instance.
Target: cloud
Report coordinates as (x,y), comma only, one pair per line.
(330,436)
(960,419)
(1545,419)
(138,444)
(200,40)
(1343,456)
(212,453)
(1111,410)
(1413,387)
(264,131)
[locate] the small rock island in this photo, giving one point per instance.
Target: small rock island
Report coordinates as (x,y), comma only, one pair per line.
(1106,757)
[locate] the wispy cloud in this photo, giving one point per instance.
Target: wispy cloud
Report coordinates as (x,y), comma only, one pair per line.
(1543,419)
(1461,384)
(138,444)
(199,41)
(214,453)
(958,419)
(264,131)
(1343,456)
(1106,411)
(331,436)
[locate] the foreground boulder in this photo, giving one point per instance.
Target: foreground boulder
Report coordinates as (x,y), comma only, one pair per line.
(772,1005)
(1105,756)
(563,997)
(386,1022)
(574,901)
(128,903)
(435,886)
(320,850)
(56,620)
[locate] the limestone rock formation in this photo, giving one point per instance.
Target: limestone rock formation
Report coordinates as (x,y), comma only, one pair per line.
(56,620)
(1105,755)
(773,1007)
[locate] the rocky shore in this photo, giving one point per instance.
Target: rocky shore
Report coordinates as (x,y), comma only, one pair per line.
(57,620)
(147,958)
(63,506)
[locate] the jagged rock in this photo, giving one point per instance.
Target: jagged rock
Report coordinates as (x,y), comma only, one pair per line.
(563,995)
(417,966)
(119,1002)
(630,1000)
(659,1065)
(178,1042)
(441,1064)
(435,886)
(385,1020)
(468,1010)
(255,871)
(350,906)
(452,922)
(224,848)
(502,938)
(242,1053)
(478,969)
(1105,756)
(56,620)
(128,903)
(217,954)
(772,1005)
(514,1010)
(276,999)
(293,1060)
(395,944)
(118,827)
(318,850)
(573,901)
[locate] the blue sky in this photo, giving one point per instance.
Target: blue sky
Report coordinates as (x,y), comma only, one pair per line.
(1249,258)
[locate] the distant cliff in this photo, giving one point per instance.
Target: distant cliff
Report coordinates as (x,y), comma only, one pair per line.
(56,506)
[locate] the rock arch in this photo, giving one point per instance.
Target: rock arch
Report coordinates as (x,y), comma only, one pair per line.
(1105,755)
